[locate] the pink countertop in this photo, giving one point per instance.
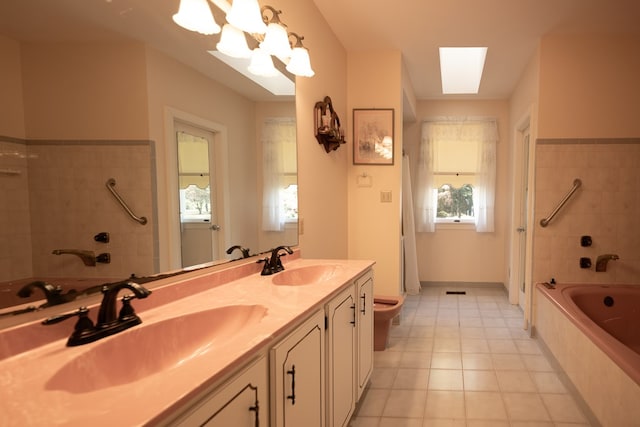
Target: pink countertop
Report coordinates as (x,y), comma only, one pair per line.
(30,381)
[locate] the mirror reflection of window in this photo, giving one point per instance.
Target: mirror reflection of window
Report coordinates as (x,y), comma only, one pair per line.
(280,189)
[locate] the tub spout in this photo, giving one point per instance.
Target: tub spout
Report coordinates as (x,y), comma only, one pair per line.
(602,260)
(89,258)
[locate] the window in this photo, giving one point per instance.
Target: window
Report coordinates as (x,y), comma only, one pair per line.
(456,174)
(454,167)
(279,174)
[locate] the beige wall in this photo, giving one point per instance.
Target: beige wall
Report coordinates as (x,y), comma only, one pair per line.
(174,85)
(11,104)
(84,90)
(589,86)
(321,175)
(375,81)
(454,253)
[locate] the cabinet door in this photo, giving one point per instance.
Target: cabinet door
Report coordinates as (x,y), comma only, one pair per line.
(298,376)
(341,334)
(364,286)
(242,402)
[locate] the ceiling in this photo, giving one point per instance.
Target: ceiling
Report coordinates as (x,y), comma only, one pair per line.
(511,29)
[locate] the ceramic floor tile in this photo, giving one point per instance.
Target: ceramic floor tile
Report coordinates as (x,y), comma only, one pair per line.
(502,346)
(481,361)
(480,380)
(383,377)
(429,422)
(412,379)
(484,405)
(507,362)
(548,382)
(364,422)
(474,345)
(415,359)
(464,361)
(451,360)
(445,404)
(445,379)
(400,422)
(515,381)
(525,407)
(405,403)
(373,404)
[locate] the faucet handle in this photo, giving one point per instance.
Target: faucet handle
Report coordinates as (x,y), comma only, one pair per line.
(84,325)
(127,312)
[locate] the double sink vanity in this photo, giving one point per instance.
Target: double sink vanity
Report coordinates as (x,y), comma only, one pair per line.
(219,346)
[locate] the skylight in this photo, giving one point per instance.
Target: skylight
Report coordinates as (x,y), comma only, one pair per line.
(461,69)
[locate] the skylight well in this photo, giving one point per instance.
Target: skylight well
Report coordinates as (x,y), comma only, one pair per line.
(461,69)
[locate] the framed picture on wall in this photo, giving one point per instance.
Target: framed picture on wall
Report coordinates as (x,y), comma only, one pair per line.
(373,136)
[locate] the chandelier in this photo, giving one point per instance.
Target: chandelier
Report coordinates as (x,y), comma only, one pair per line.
(262,24)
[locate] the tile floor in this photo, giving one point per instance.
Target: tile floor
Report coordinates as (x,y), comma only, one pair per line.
(464,361)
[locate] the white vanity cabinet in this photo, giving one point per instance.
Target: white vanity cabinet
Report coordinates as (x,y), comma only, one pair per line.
(298,376)
(364,288)
(341,357)
(241,402)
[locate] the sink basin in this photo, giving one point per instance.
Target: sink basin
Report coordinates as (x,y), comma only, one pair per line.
(148,349)
(308,275)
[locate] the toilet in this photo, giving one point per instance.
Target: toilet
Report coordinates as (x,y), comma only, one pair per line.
(385,308)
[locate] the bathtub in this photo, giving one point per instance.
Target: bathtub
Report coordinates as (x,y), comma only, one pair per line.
(592,332)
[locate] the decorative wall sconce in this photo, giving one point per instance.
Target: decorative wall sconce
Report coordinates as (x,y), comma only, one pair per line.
(327,125)
(245,18)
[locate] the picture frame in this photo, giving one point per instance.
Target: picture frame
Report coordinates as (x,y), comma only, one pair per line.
(373,135)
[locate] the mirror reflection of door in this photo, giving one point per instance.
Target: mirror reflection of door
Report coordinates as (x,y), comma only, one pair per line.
(199,208)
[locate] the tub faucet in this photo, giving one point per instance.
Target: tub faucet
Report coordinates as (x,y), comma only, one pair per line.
(602,260)
(52,293)
(88,257)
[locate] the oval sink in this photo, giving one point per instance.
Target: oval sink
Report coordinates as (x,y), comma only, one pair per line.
(148,349)
(309,275)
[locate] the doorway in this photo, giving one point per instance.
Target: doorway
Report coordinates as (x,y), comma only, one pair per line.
(200,209)
(177,121)
(522,225)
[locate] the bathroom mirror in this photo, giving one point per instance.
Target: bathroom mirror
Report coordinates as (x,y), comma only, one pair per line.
(100,89)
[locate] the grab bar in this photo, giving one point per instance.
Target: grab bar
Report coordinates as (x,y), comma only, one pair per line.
(576,184)
(111,183)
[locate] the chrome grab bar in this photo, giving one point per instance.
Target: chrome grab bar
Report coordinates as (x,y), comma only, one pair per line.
(111,183)
(576,184)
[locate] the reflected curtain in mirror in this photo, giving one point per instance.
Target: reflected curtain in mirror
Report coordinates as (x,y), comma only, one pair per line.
(279,172)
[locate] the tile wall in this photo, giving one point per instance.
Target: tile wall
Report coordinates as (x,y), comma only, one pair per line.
(68,203)
(606,207)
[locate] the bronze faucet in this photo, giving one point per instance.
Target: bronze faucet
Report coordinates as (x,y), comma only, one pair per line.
(602,260)
(108,322)
(89,258)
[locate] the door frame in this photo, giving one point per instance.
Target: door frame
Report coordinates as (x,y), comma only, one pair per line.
(220,147)
(516,267)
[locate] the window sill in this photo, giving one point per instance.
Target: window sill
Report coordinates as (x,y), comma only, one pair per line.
(455,226)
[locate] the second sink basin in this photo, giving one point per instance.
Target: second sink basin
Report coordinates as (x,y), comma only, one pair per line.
(308,275)
(148,349)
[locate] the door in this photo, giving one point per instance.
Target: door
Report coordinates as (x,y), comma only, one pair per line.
(522,227)
(199,206)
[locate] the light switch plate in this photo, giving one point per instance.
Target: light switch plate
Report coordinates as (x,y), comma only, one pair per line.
(385,196)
